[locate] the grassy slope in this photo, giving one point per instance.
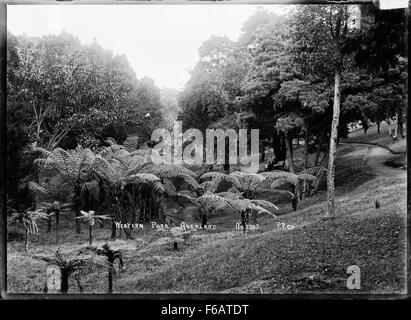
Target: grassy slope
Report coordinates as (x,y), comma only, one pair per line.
(313,257)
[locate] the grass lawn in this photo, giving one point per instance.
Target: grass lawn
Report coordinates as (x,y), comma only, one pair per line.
(311,258)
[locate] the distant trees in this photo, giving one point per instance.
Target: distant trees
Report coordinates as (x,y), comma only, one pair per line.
(319,34)
(170,109)
(302,75)
(62,93)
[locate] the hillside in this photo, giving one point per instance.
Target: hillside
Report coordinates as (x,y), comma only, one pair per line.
(312,257)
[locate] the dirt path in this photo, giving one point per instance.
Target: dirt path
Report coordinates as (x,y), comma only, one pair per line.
(374,157)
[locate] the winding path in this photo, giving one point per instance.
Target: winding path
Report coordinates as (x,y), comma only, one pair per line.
(375,157)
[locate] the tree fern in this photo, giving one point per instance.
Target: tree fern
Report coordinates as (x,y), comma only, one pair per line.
(28,219)
(71,264)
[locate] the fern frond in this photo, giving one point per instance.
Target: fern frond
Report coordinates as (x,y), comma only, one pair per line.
(167,171)
(306,176)
(131,143)
(38,189)
(142,178)
(112,149)
(260,210)
(209,186)
(281,175)
(187,197)
(188,193)
(283,193)
(212,175)
(104,170)
(189,180)
(215,201)
(313,170)
(91,186)
(43,151)
(263,203)
(219,176)
(230,195)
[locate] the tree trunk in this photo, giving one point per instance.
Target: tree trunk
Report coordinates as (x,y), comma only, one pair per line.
(320,145)
(113,230)
(244,220)
(378,127)
(203,220)
(57,225)
(127,232)
(279,146)
(77,213)
(76,201)
(320,174)
(290,151)
(283,147)
(90,235)
(400,127)
(48,221)
(64,281)
(306,137)
(26,241)
(110,275)
(276,146)
(333,143)
(262,159)
(294,201)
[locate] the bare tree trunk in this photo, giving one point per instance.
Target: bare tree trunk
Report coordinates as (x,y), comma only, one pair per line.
(262,154)
(90,235)
(320,175)
(64,281)
(279,146)
(48,221)
(290,151)
(57,225)
(333,143)
(378,127)
(77,214)
(320,145)
(110,275)
(306,137)
(276,144)
(26,241)
(400,127)
(113,229)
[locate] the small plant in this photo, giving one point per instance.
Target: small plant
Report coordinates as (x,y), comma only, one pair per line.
(91,217)
(112,256)
(279,179)
(245,216)
(246,183)
(55,208)
(208,201)
(223,200)
(28,220)
(71,264)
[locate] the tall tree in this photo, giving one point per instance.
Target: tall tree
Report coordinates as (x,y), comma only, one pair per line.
(320,33)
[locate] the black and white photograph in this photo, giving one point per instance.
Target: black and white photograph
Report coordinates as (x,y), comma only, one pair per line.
(216,147)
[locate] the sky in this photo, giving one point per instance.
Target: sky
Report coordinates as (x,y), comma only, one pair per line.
(160,41)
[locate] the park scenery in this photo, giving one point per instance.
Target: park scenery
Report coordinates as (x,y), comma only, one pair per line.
(274,163)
